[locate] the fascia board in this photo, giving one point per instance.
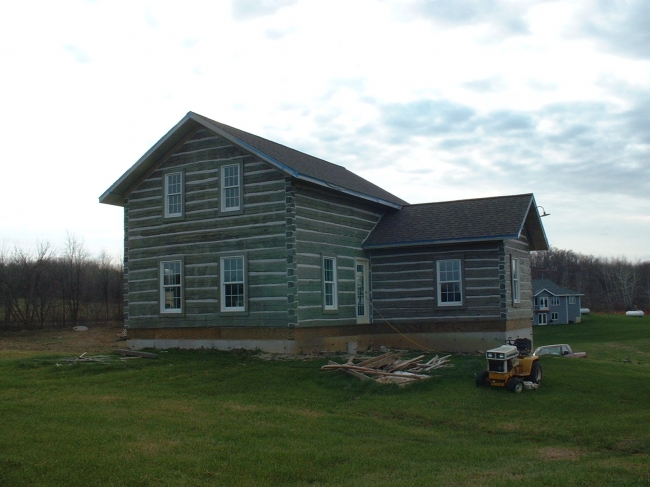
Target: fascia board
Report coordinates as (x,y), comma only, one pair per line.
(421,243)
(533,205)
(114,194)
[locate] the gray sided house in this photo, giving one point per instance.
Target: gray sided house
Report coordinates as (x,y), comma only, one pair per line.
(555,305)
(234,241)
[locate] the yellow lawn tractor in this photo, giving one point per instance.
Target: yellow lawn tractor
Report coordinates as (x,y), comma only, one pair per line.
(512,366)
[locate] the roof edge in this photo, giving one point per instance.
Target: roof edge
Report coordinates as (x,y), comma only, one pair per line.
(420,243)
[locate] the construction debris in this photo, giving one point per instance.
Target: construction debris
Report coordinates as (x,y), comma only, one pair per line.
(389,368)
(134,353)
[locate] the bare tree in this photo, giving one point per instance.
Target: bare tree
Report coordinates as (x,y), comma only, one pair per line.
(75,259)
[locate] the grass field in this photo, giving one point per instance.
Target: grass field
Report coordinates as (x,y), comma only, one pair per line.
(200,418)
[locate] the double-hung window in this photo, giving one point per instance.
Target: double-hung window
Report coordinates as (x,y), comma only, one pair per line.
(555,301)
(516,287)
(233,284)
(450,285)
(173,194)
(555,316)
(171,287)
(572,300)
(231,188)
(330,291)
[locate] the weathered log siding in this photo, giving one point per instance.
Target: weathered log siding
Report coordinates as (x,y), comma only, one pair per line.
(203,235)
(523,310)
(331,225)
(404,287)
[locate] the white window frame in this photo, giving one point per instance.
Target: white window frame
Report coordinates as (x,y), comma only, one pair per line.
(227,279)
(555,316)
(330,284)
(165,286)
(442,282)
(225,187)
(572,300)
(543,302)
(169,193)
(362,291)
(542,319)
(555,300)
(516,282)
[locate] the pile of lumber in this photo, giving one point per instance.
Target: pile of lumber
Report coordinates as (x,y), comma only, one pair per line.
(389,368)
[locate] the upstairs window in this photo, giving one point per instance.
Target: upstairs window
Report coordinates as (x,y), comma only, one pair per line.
(173,194)
(330,291)
(233,288)
(555,301)
(171,287)
(516,287)
(543,302)
(572,300)
(231,188)
(450,288)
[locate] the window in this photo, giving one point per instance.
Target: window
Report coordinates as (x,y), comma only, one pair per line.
(171,287)
(173,194)
(572,300)
(233,290)
(543,302)
(230,188)
(555,301)
(450,291)
(541,319)
(555,316)
(516,290)
(330,298)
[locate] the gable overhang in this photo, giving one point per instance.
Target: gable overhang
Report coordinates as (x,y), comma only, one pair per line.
(182,131)
(559,295)
(533,229)
(447,241)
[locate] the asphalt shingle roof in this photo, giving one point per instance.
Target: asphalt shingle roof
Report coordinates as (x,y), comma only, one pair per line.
(452,221)
(541,284)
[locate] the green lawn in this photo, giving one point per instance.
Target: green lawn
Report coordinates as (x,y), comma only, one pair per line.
(210,418)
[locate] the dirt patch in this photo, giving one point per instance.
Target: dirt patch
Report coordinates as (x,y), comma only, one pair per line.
(552,453)
(99,338)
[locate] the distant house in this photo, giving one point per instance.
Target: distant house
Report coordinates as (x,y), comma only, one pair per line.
(235,241)
(553,304)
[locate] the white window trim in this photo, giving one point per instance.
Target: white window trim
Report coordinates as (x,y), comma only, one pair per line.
(365,318)
(543,302)
(555,316)
(167,194)
(163,287)
(223,187)
(440,282)
(572,300)
(223,284)
(541,321)
(555,300)
(516,281)
(334,282)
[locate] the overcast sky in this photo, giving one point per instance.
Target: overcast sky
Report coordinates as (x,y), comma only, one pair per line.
(433,100)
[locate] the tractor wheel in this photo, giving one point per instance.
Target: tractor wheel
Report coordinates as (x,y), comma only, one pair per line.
(515,385)
(482,378)
(535,373)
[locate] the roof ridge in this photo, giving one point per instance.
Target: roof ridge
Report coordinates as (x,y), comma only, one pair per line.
(469,199)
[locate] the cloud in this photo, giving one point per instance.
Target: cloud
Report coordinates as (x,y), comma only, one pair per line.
(251,9)
(80,56)
(621,26)
(505,18)
(426,117)
(493,84)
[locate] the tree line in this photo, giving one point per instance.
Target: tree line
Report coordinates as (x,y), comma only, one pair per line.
(49,288)
(608,284)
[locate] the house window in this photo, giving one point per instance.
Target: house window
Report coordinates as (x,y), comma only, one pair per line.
(233,289)
(555,316)
(174,194)
(541,319)
(572,300)
(330,291)
(543,302)
(450,291)
(230,188)
(516,289)
(555,301)
(171,287)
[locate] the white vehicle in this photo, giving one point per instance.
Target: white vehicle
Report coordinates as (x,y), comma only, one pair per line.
(560,350)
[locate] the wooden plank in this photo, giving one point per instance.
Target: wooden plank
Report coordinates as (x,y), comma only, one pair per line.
(380,360)
(135,353)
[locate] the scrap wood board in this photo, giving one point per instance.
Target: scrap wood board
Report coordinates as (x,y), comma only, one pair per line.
(390,369)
